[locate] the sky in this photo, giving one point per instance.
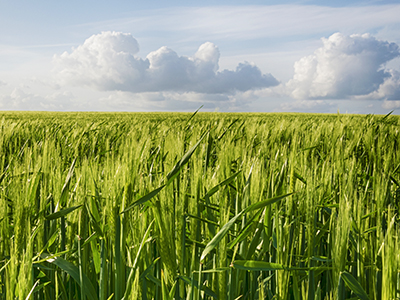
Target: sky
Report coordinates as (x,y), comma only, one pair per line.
(227,56)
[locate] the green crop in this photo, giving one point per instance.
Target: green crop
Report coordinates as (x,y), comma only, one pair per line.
(199,206)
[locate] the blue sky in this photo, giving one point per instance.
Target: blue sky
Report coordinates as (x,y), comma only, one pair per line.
(264,56)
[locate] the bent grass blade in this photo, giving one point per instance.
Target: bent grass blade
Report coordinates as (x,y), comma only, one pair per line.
(179,165)
(144,199)
(354,285)
(73,271)
(224,230)
(62,212)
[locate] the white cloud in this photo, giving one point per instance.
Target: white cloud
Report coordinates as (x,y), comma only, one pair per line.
(108,61)
(389,89)
(345,67)
(172,101)
(20,98)
(387,104)
(307,106)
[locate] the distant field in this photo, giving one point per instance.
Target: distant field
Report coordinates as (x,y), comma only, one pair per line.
(199,206)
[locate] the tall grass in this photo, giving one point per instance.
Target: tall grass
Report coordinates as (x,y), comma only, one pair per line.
(199,206)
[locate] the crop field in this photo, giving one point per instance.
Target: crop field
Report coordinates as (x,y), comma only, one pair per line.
(199,206)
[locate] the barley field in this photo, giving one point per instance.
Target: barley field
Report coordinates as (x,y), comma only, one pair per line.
(199,206)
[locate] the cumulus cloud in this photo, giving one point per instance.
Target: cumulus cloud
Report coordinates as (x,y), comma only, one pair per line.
(108,61)
(389,89)
(346,67)
(21,98)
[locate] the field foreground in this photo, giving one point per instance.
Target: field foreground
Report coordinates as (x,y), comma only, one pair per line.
(199,206)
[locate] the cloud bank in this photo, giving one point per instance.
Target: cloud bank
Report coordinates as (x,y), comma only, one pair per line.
(344,67)
(108,62)
(347,67)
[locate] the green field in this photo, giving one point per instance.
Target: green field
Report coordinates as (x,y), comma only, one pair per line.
(199,206)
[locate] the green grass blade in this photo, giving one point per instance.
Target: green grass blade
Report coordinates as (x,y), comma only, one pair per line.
(103,272)
(144,199)
(96,256)
(62,212)
(219,236)
(225,182)
(204,288)
(73,271)
(256,238)
(80,269)
(244,232)
(224,230)
(133,269)
(144,240)
(119,265)
(64,191)
(94,222)
(354,285)
(149,269)
(226,130)
(164,289)
(192,116)
(171,293)
(217,270)
(203,220)
(296,288)
(264,203)
(33,187)
(178,167)
(46,257)
(251,265)
(40,286)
